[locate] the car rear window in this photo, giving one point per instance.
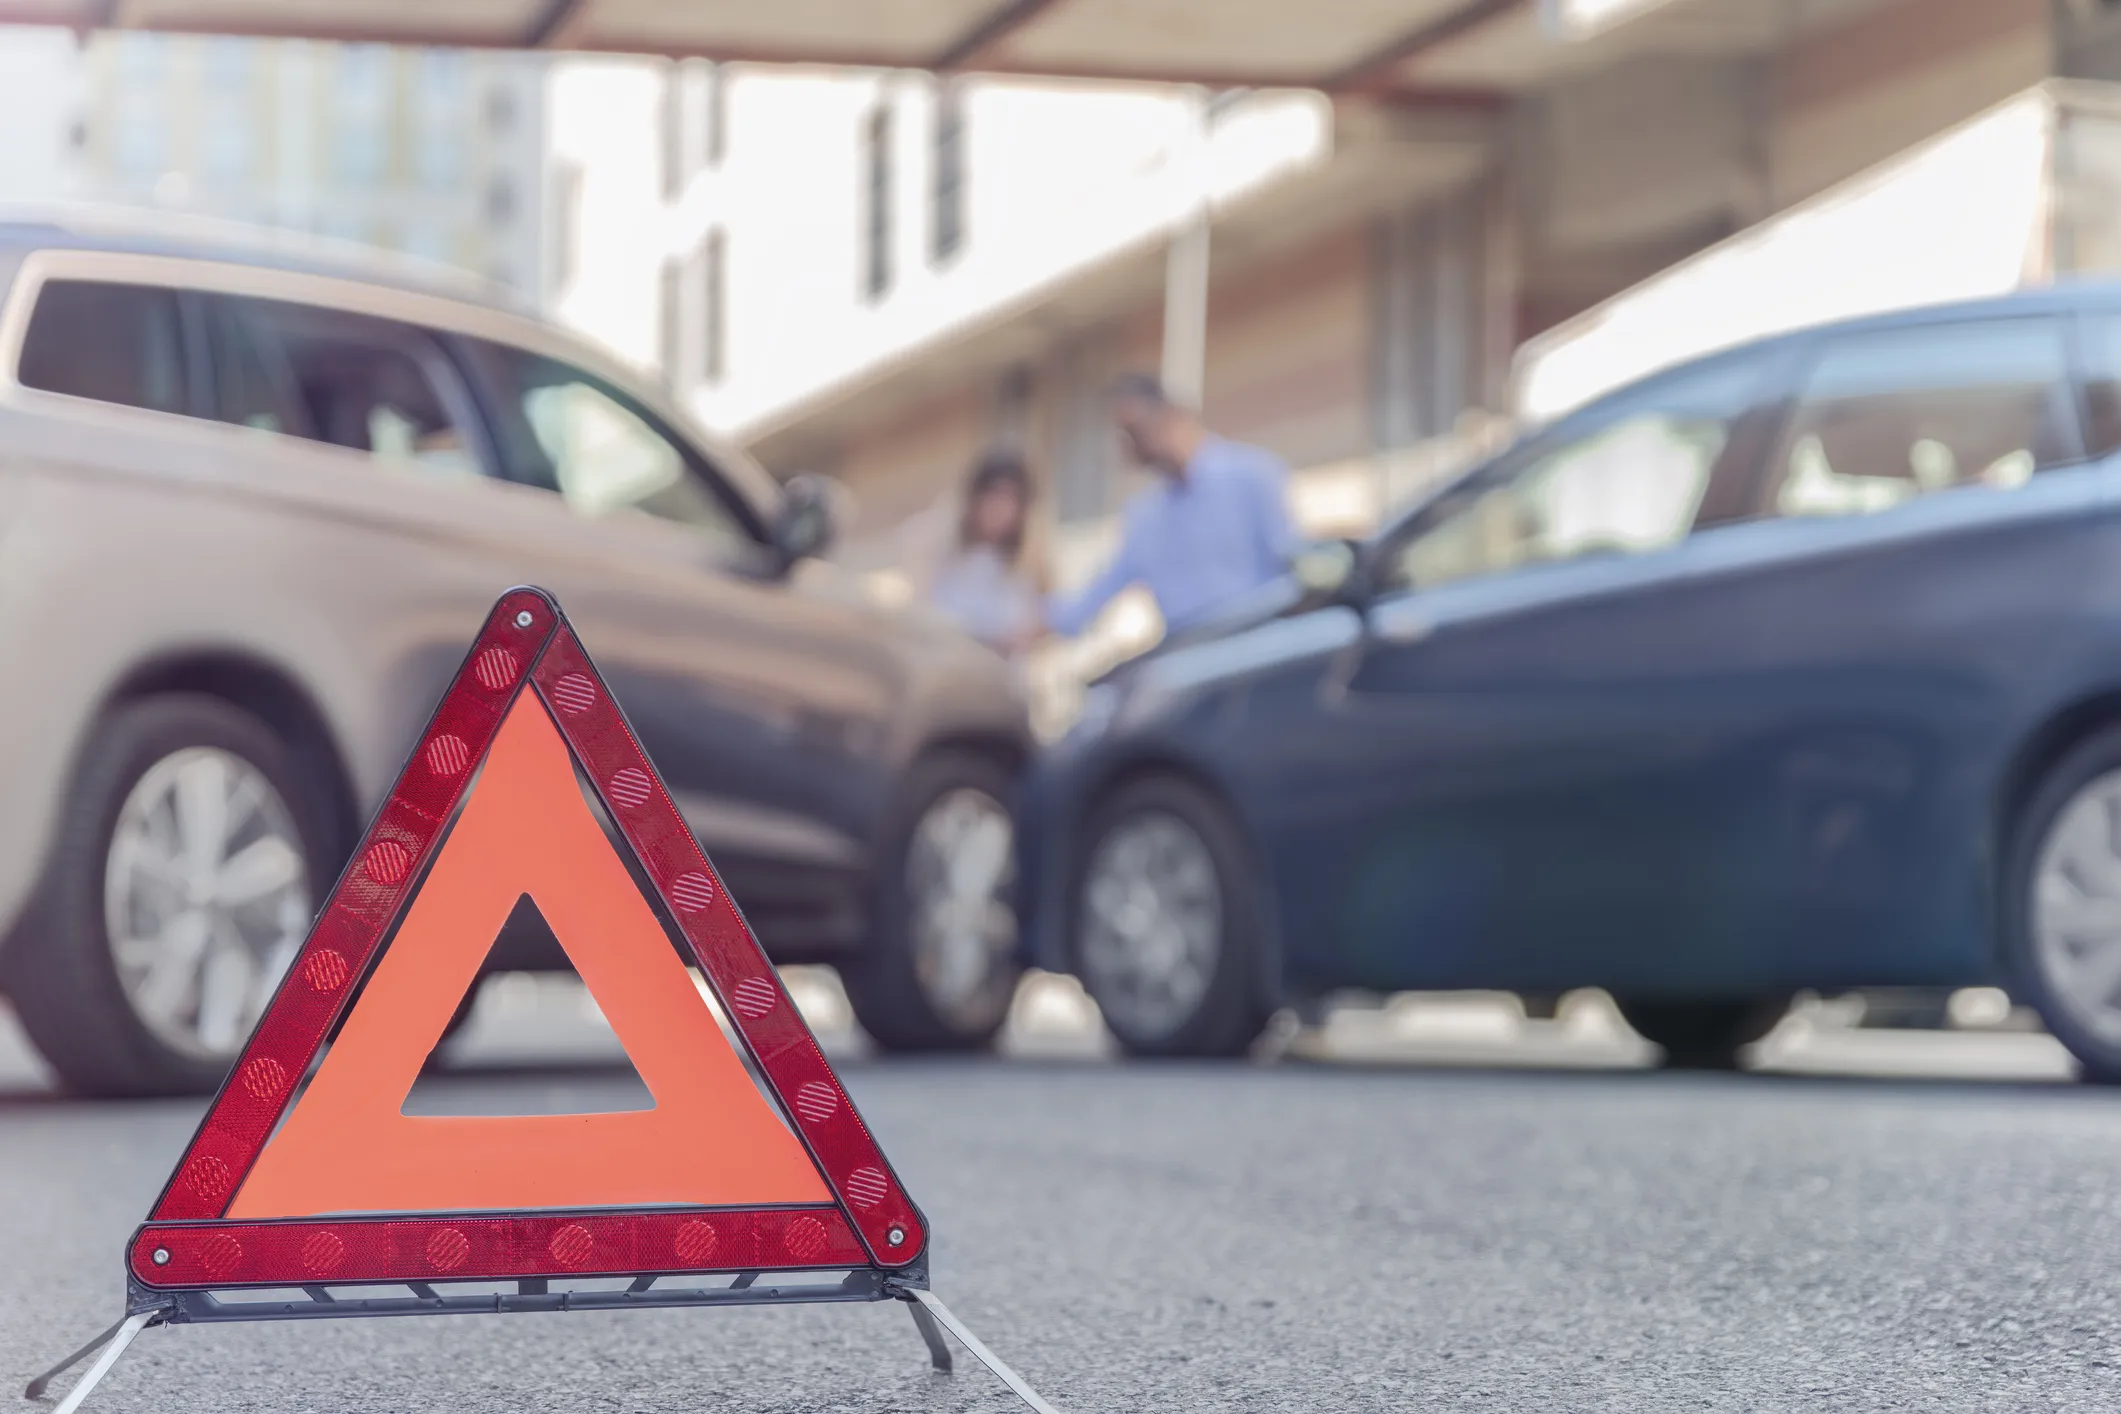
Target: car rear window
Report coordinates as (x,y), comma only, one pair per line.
(350,380)
(1891,414)
(111,342)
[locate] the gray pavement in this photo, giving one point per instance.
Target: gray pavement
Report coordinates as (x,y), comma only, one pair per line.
(1431,1206)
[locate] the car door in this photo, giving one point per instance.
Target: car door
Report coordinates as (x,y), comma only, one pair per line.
(767,710)
(1899,617)
(495,465)
(1498,782)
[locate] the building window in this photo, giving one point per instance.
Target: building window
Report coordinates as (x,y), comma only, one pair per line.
(690,122)
(717,120)
(140,125)
(500,199)
(714,312)
(670,298)
(670,121)
(500,111)
(566,223)
(876,223)
(441,122)
(364,101)
(229,121)
(947,220)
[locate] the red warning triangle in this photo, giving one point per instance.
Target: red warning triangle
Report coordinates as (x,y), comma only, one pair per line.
(346,1147)
(290,1184)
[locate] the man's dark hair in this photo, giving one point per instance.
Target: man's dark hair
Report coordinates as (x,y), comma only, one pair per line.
(1141,388)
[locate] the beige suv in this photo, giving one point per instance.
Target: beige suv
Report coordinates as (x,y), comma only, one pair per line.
(251,514)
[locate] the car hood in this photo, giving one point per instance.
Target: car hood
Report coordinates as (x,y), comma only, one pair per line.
(1273,600)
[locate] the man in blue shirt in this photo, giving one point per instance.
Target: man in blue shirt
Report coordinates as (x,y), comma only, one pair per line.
(1213,527)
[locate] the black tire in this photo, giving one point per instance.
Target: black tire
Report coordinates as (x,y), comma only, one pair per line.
(1702,1035)
(895,992)
(1231,1010)
(60,972)
(2098,1055)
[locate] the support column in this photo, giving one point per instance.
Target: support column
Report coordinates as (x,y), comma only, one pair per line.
(1185,357)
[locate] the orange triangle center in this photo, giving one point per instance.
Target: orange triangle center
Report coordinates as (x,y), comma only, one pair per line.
(711,1138)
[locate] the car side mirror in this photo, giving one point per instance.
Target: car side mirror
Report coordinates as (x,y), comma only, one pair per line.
(804,528)
(1325,569)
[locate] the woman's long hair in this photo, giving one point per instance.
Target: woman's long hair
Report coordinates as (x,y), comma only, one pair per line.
(992,472)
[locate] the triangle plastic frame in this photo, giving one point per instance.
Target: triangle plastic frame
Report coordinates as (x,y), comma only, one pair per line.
(187,1244)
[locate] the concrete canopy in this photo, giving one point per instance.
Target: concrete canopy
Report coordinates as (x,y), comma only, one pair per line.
(1453,49)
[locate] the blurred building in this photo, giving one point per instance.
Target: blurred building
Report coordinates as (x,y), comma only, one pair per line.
(432,153)
(874,273)
(960,261)
(786,236)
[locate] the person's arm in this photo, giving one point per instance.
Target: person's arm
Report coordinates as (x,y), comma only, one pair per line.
(1070,615)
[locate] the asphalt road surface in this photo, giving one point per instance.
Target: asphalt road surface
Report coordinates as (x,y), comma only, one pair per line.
(1433,1207)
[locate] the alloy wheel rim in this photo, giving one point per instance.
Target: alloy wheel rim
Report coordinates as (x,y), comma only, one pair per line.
(2077,907)
(206,899)
(1152,920)
(960,875)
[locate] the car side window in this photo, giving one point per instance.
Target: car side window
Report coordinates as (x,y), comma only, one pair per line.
(350,380)
(112,342)
(1626,477)
(571,432)
(1892,414)
(246,389)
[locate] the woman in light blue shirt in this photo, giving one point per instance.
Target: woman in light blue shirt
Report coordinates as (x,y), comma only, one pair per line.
(983,583)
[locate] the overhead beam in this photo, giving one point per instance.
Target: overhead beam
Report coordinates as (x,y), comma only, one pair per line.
(1376,70)
(983,40)
(555,24)
(983,46)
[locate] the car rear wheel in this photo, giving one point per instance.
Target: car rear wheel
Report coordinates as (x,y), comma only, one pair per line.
(179,888)
(1702,1035)
(942,967)
(2062,904)
(1168,928)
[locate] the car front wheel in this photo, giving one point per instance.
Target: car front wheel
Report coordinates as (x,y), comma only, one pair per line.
(942,966)
(1168,927)
(180,886)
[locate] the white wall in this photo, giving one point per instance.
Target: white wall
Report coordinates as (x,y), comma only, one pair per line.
(1059,176)
(601,118)
(42,88)
(1958,217)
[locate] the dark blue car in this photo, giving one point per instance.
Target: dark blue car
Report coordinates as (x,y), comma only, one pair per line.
(1798,666)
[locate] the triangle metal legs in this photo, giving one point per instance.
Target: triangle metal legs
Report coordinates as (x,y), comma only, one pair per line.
(113,1342)
(928,1304)
(930,1315)
(938,1349)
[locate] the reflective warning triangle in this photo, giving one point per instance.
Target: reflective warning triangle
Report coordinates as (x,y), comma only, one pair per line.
(287,1184)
